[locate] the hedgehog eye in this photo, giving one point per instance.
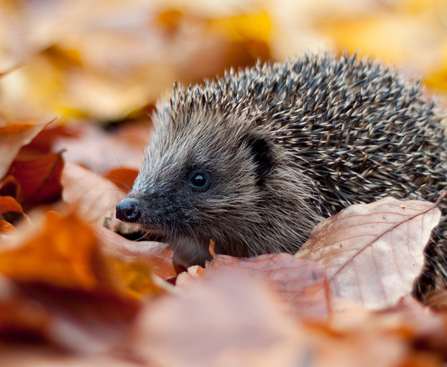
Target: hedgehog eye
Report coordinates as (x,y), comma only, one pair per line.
(199,180)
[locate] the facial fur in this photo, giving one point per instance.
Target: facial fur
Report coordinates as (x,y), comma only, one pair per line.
(245,175)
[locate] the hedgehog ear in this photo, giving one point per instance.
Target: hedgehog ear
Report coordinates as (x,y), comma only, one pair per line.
(261,151)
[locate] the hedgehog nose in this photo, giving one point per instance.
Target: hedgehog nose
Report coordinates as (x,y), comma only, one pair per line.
(128,210)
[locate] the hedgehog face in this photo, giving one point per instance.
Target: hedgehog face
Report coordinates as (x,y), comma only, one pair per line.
(215,172)
(193,184)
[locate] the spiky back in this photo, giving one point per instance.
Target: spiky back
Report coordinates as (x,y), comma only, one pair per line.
(360,130)
(357,130)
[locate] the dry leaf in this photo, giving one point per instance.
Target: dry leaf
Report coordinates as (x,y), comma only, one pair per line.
(93,195)
(43,143)
(302,285)
(9,204)
(29,355)
(102,151)
(9,186)
(7,228)
(156,254)
(230,319)
(20,317)
(39,178)
(216,319)
(374,252)
(12,138)
(62,268)
(123,178)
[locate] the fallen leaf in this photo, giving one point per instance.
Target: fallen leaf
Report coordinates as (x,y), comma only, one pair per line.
(65,245)
(373,253)
(9,204)
(216,318)
(39,178)
(94,196)
(20,317)
(61,266)
(102,151)
(44,141)
(9,186)
(232,319)
(12,137)
(123,178)
(156,254)
(27,355)
(302,285)
(6,227)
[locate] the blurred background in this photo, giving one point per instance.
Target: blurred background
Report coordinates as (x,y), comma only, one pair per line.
(107,61)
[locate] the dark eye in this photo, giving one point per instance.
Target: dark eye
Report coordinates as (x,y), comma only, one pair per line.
(199,180)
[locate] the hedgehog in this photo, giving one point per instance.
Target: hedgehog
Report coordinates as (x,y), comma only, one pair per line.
(255,159)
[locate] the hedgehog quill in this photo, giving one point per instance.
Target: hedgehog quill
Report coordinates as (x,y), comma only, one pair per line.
(254,160)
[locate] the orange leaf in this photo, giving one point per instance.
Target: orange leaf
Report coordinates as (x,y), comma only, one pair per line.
(62,267)
(122,177)
(39,178)
(9,204)
(156,254)
(6,227)
(12,138)
(9,186)
(62,254)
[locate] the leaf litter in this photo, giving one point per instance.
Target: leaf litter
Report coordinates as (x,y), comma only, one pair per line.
(73,292)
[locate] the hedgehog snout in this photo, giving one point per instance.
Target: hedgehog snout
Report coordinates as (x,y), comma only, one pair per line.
(128,210)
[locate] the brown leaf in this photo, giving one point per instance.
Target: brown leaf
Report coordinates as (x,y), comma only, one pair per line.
(6,227)
(20,317)
(66,246)
(9,186)
(373,252)
(11,213)
(123,178)
(9,204)
(29,355)
(62,268)
(44,141)
(300,284)
(39,178)
(93,195)
(214,319)
(102,151)
(231,319)
(156,254)
(12,138)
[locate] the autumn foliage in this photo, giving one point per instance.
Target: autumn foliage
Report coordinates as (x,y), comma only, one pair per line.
(78,82)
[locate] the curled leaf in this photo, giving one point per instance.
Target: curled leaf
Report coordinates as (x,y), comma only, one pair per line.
(12,138)
(373,253)
(39,178)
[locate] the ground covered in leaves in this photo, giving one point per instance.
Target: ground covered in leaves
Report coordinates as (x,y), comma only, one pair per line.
(78,81)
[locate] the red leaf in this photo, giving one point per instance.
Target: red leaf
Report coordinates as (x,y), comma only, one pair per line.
(122,177)
(9,204)
(39,178)
(12,138)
